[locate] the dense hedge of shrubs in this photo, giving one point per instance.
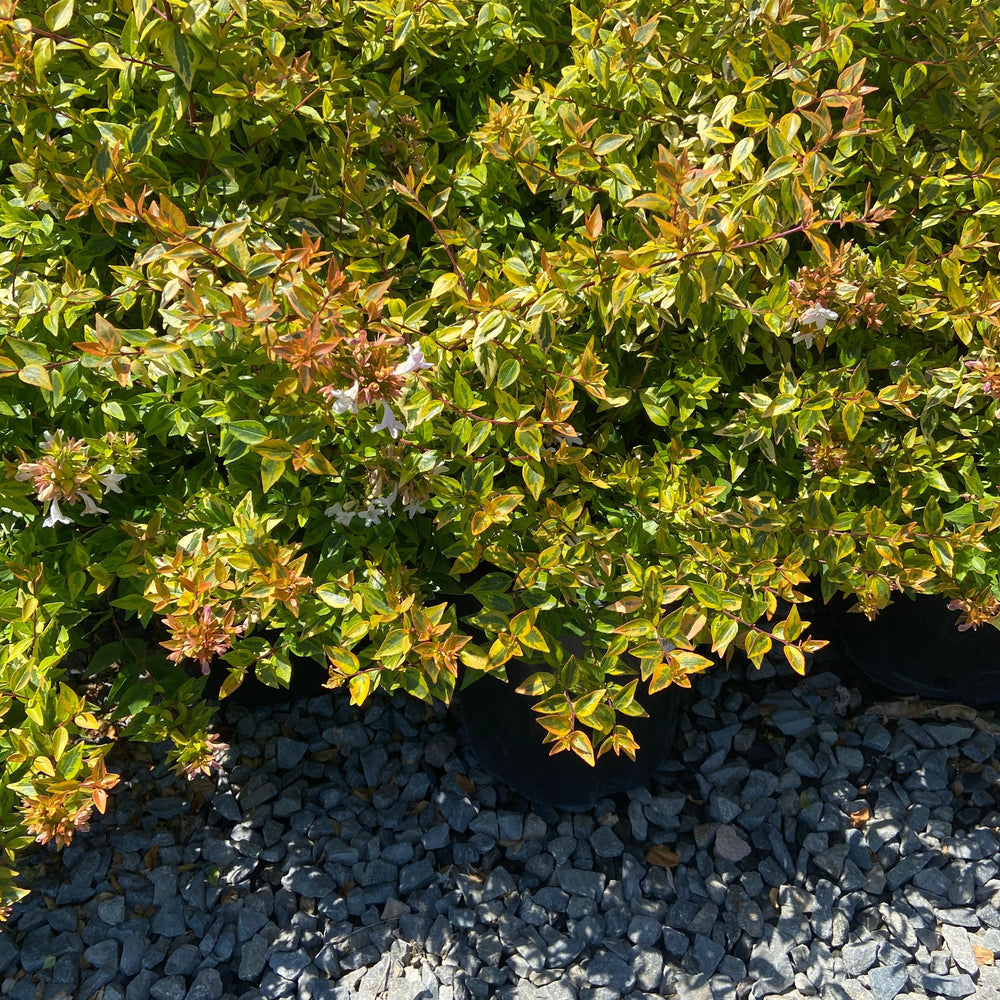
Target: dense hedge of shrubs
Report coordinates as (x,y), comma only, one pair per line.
(635,315)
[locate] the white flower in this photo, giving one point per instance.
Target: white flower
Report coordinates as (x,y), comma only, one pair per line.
(415,507)
(389,422)
(817,316)
(341,516)
(386,502)
(110,481)
(371,515)
(413,363)
(55,516)
(346,400)
(801,337)
(89,507)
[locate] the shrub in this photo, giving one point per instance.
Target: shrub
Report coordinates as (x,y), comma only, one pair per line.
(636,317)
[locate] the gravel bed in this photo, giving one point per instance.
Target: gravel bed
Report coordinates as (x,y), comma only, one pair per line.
(798,844)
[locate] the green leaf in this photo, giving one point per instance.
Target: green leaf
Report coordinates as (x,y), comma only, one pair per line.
(248,431)
(796,659)
(343,660)
(270,473)
(782,167)
(462,394)
(402,28)
(741,152)
(853,415)
(396,644)
(332,596)
(443,284)
(585,705)
(59,15)
(841,48)
(942,554)
(724,631)
(534,478)
(35,375)
(689,662)
(609,142)
(509,372)
(533,639)
(529,439)
(651,202)
(178,54)
(140,11)
(656,413)
(580,745)
(757,645)
(537,685)
(708,597)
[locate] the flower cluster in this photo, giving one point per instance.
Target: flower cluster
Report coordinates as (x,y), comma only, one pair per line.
(51,817)
(988,369)
(825,457)
(58,814)
(66,473)
(815,317)
(200,635)
(373,513)
(200,756)
(977,610)
(356,397)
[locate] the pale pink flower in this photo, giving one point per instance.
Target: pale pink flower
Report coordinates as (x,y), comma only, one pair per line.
(89,507)
(341,516)
(344,400)
(414,363)
(110,481)
(55,515)
(817,316)
(389,422)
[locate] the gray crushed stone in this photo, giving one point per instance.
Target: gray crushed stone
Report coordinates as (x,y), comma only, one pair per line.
(817,850)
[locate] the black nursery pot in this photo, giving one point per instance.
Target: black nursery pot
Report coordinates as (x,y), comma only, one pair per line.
(506,739)
(914,647)
(308,678)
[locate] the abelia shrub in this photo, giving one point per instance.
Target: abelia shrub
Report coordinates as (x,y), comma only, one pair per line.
(406,338)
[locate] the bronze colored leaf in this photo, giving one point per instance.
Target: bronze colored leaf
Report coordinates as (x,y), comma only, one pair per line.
(984,956)
(466,784)
(860,817)
(661,856)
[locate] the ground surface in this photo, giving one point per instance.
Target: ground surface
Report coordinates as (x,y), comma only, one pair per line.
(808,837)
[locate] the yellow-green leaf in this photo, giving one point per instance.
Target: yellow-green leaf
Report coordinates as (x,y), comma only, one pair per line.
(689,662)
(360,686)
(270,473)
(178,54)
(942,554)
(652,202)
(782,167)
(35,375)
(59,15)
(853,415)
(537,684)
(796,659)
(529,438)
(580,745)
(609,142)
(533,477)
